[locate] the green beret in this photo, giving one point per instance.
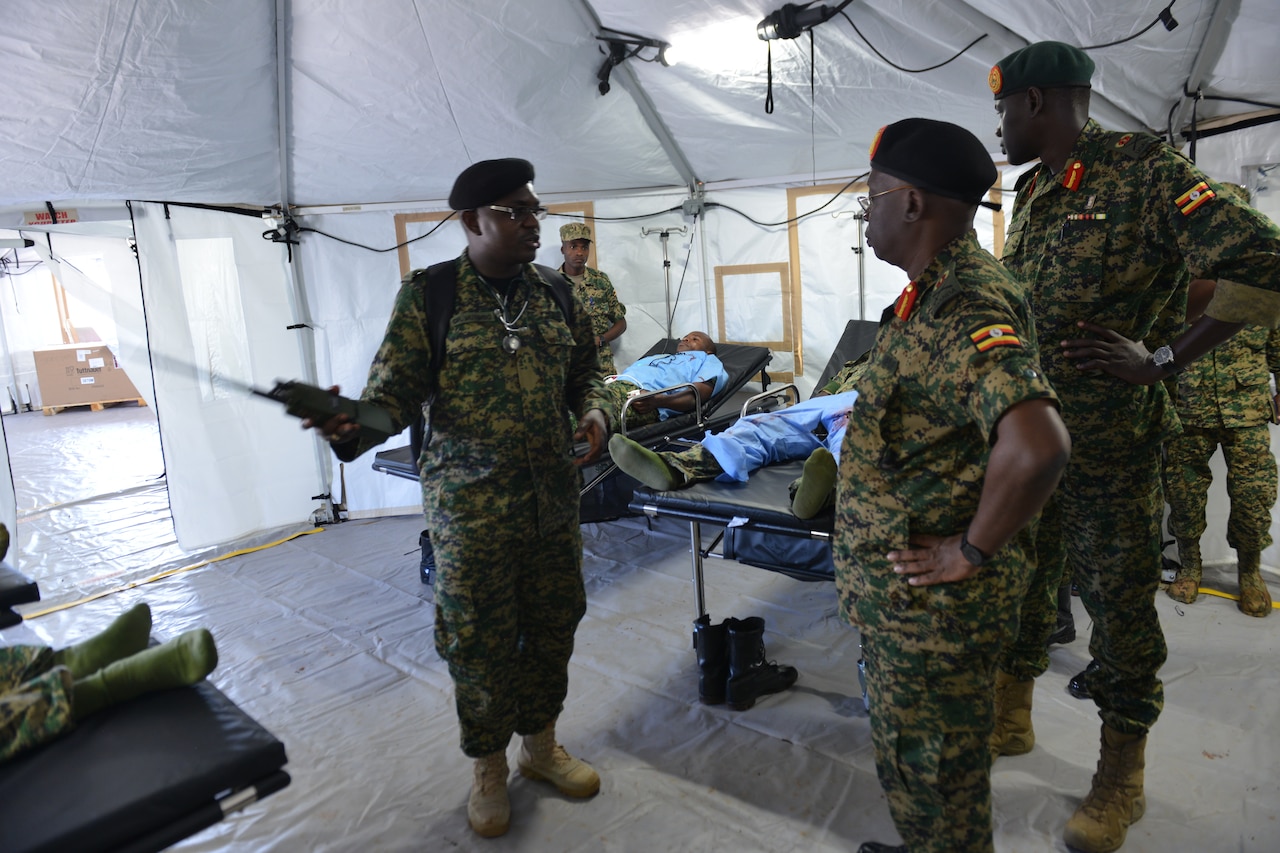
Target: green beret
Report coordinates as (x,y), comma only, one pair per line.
(936,156)
(487,181)
(1045,64)
(575,231)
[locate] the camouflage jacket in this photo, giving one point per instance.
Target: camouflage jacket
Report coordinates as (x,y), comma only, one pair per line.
(1112,241)
(597,294)
(497,417)
(940,375)
(1231,385)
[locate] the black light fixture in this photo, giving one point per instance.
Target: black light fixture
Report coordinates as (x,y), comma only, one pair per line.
(792,20)
(624,46)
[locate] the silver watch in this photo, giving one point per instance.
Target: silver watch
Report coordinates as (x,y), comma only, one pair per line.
(1163,357)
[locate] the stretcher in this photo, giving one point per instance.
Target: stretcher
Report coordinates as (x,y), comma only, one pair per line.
(140,776)
(759,528)
(606,491)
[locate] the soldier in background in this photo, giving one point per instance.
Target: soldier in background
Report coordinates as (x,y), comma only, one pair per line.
(608,315)
(951,448)
(499,486)
(1225,400)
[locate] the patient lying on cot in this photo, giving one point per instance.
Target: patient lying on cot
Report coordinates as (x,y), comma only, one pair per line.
(694,362)
(755,441)
(44,693)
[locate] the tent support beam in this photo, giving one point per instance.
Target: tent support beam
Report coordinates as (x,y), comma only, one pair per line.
(1215,40)
(631,83)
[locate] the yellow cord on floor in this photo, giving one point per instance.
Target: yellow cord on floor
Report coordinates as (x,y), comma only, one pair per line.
(167,573)
(1204,590)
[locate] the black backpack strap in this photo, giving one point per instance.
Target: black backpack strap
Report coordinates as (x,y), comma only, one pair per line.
(438,293)
(561,290)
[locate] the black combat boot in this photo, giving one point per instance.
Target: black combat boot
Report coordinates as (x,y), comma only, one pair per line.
(750,675)
(1078,686)
(1065,631)
(877,847)
(427,568)
(712,645)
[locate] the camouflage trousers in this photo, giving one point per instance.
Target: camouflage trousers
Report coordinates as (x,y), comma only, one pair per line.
(508,601)
(697,464)
(35,699)
(607,366)
(931,656)
(1103,526)
(1251,483)
(618,393)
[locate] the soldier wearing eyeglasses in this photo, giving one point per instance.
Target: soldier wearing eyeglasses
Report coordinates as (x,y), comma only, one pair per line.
(499,486)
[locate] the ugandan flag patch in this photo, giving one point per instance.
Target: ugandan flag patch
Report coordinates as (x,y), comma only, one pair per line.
(995,335)
(1194,198)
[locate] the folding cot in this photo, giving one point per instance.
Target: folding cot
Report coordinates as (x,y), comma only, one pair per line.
(139,776)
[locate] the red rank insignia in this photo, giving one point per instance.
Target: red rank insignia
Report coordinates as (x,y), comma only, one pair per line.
(906,301)
(1193,198)
(1124,140)
(1073,175)
(994,335)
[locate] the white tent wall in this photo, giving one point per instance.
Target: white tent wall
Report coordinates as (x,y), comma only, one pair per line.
(219,309)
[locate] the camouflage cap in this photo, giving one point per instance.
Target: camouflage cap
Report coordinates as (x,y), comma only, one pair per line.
(575,231)
(1045,64)
(487,181)
(936,156)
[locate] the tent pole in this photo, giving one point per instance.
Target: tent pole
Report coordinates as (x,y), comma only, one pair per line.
(1215,39)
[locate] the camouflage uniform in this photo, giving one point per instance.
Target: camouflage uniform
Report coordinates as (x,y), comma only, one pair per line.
(1110,241)
(1225,399)
(500,494)
(914,459)
(597,294)
(35,699)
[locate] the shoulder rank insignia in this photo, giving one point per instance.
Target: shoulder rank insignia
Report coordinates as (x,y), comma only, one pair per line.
(906,301)
(1124,140)
(1073,175)
(994,335)
(1193,198)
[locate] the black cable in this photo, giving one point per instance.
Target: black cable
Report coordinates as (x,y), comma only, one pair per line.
(1266,104)
(893,64)
(680,287)
(796,218)
(299,230)
(1165,16)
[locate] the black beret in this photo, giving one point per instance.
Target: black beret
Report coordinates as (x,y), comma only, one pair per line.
(487,181)
(1045,64)
(936,156)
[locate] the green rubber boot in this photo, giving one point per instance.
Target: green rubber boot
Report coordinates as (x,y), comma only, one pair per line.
(182,661)
(642,463)
(813,489)
(126,636)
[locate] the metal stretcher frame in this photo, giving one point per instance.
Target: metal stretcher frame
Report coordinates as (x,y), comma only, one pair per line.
(761,504)
(741,361)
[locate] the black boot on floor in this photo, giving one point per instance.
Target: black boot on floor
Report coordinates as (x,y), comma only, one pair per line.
(712,645)
(1065,632)
(1078,686)
(427,569)
(750,675)
(877,847)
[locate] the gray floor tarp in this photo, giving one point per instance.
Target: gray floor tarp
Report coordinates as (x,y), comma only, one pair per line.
(327,641)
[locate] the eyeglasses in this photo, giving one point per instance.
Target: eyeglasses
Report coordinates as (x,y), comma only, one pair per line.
(864,201)
(519,213)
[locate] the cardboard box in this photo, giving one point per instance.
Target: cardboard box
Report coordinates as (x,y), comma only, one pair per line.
(80,375)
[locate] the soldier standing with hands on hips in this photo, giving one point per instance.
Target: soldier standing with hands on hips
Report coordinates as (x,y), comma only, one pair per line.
(1106,232)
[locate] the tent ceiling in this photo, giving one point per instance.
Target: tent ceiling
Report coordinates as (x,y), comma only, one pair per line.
(386,101)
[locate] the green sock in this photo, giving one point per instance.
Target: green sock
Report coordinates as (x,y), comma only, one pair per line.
(184,660)
(642,463)
(813,490)
(127,635)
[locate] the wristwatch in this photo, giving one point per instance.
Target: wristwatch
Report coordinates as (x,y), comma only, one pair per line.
(1163,357)
(971,552)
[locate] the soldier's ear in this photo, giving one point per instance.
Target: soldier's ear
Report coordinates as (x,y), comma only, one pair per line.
(471,222)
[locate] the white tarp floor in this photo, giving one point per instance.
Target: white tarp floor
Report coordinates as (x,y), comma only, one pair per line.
(327,641)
